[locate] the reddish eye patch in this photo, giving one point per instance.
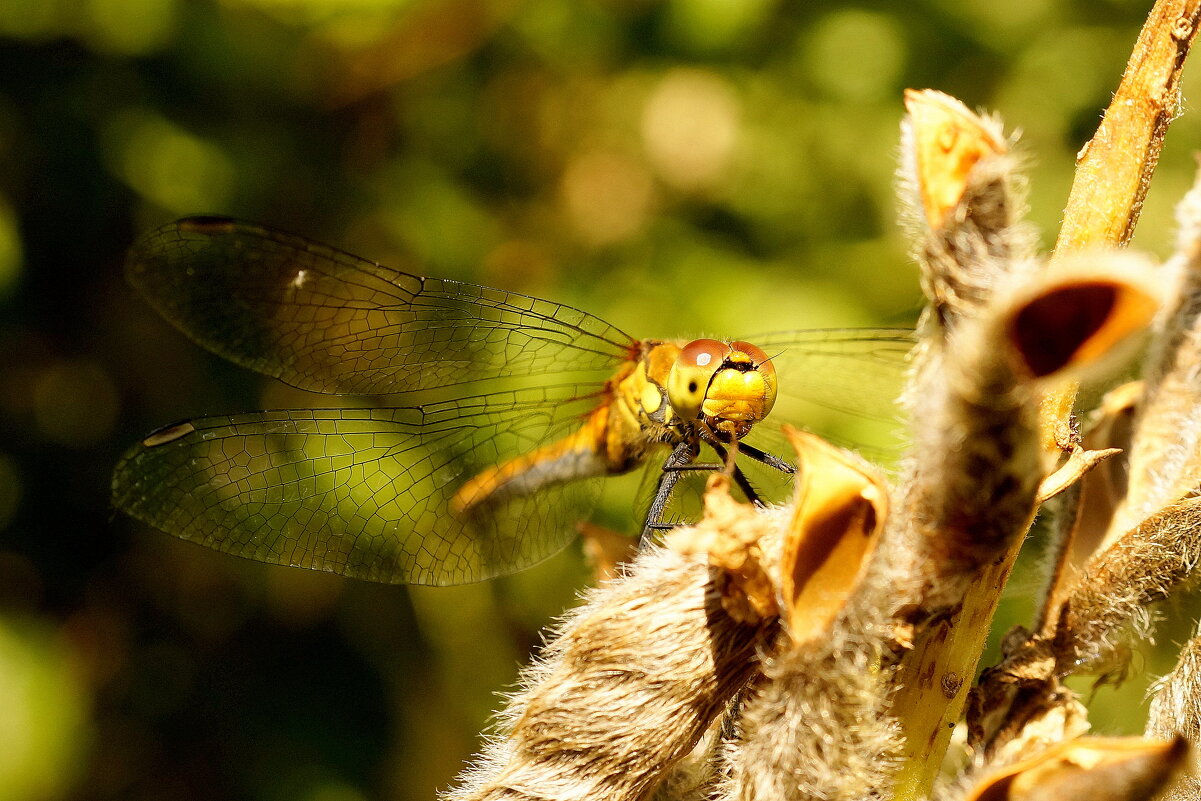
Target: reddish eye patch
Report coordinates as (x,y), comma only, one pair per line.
(706,354)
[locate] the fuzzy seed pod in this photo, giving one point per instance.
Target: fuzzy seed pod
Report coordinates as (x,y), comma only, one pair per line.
(814,726)
(961,199)
(1119,583)
(1176,712)
(1165,456)
(977,462)
(625,690)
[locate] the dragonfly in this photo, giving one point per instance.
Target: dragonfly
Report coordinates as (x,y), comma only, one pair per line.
(482,422)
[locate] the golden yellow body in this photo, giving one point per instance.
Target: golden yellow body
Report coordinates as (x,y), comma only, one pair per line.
(666,394)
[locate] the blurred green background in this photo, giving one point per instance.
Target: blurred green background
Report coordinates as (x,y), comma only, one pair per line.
(682,167)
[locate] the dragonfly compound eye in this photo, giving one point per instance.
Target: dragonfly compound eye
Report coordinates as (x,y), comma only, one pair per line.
(688,381)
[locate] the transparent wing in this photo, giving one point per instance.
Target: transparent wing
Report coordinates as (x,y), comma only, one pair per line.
(324,320)
(842,384)
(773,486)
(857,371)
(685,506)
(367,493)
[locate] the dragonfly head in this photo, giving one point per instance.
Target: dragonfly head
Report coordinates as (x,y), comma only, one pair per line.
(731,386)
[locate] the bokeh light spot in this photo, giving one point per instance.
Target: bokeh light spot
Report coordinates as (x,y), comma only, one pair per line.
(43,723)
(608,196)
(131,27)
(690,127)
(715,25)
(168,165)
(855,55)
(74,403)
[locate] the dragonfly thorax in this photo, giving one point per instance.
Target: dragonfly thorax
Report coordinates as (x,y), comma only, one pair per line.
(728,386)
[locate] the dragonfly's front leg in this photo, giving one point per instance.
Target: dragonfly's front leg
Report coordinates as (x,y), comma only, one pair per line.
(766,458)
(733,470)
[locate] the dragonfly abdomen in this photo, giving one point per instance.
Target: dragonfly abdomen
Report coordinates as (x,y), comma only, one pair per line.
(614,438)
(581,454)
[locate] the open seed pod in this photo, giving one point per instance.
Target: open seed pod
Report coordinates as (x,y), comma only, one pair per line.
(1110,427)
(949,140)
(813,724)
(962,200)
(625,690)
(841,504)
(1089,769)
(1080,318)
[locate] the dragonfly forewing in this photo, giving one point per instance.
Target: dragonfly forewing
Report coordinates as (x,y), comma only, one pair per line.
(367,493)
(327,321)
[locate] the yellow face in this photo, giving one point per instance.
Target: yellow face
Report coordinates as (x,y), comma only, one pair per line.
(729,386)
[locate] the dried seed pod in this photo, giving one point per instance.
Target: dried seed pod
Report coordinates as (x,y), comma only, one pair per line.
(1088,769)
(1165,455)
(978,464)
(1122,580)
(697,776)
(742,544)
(976,449)
(1075,334)
(948,142)
(1087,509)
(814,725)
(1176,712)
(1176,700)
(1111,426)
(1019,708)
(1078,319)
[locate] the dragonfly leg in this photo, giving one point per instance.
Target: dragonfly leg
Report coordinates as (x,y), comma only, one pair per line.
(766,458)
(734,471)
(696,467)
(680,459)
